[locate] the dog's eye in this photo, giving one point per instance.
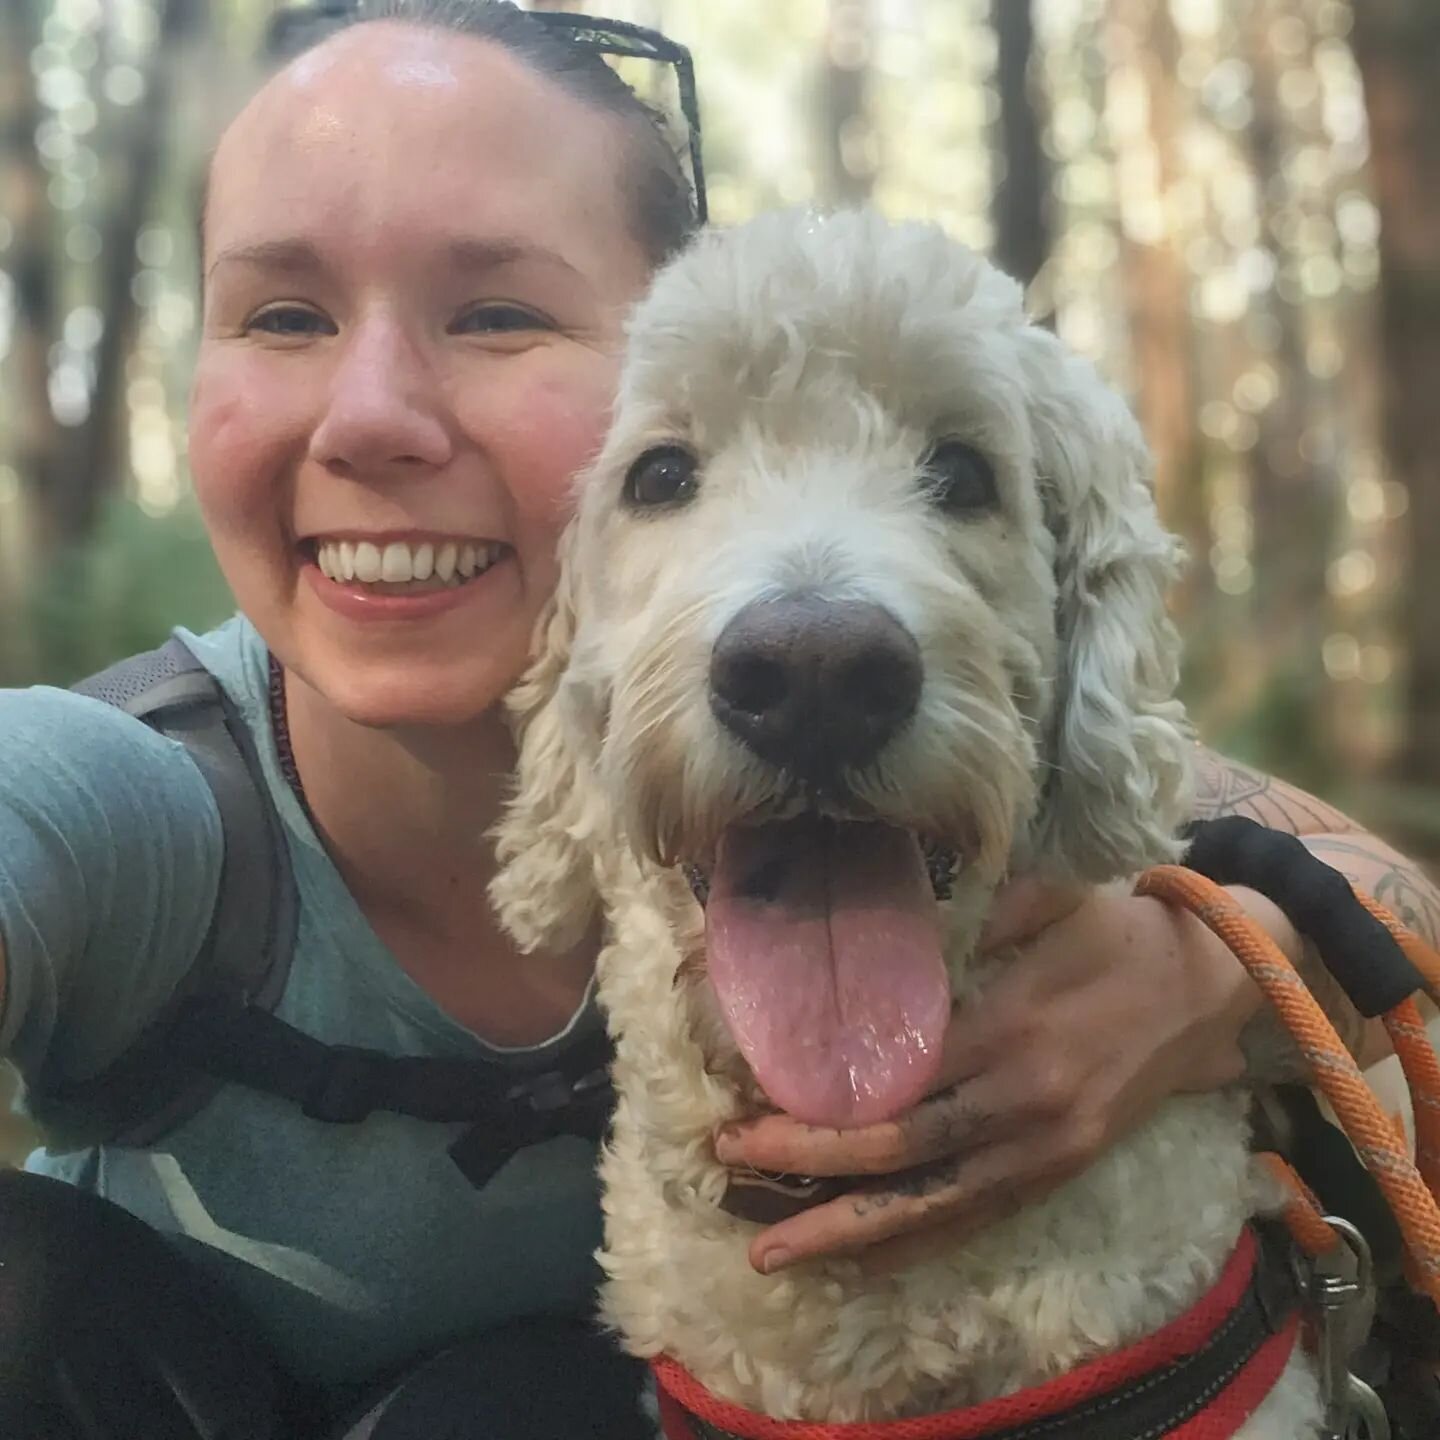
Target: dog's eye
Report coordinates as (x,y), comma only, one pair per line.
(960,478)
(663,476)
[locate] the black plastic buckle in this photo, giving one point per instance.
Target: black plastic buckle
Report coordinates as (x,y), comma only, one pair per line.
(542,1094)
(348,1087)
(485,1148)
(542,1107)
(553,1090)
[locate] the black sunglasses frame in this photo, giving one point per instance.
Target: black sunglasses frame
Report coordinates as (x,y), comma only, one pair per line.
(586,32)
(637,42)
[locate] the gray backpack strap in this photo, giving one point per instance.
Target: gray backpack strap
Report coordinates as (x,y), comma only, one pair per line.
(246,954)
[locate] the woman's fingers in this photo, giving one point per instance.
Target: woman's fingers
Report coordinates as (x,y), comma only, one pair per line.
(961,1195)
(940,1127)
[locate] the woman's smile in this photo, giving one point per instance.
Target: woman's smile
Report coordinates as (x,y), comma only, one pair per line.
(379,577)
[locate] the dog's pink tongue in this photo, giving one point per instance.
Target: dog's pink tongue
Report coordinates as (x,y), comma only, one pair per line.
(823,946)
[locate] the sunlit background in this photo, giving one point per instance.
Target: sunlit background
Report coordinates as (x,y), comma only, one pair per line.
(1233,207)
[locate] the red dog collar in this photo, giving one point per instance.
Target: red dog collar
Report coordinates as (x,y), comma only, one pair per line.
(1198,1378)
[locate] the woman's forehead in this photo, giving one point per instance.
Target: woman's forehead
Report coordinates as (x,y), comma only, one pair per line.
(390,126)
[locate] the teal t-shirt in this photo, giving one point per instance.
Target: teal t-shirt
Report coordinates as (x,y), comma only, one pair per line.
(355,1247)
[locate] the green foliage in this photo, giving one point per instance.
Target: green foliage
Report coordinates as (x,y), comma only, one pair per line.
(121,592)
(1282,731)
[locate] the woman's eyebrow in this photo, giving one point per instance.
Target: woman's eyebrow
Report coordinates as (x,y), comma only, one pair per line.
(299,256)
(467,253)
(295,256)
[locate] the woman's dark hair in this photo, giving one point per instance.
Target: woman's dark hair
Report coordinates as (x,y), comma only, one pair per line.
(661,199)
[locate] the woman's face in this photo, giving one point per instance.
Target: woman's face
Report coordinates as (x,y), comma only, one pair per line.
(417,266)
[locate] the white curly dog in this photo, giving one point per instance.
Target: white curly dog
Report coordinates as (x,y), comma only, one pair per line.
(861,609)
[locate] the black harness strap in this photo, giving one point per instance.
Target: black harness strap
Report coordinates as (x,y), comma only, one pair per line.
(245,957)
(508,1107)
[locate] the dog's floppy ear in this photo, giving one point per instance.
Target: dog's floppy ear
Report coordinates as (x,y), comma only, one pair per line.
(1117,740)
(547,841)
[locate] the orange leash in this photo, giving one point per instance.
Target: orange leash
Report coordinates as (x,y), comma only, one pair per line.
(1422,1073)
(1303,1215)
(1410,1191)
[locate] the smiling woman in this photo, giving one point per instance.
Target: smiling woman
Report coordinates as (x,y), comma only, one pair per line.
(413,307)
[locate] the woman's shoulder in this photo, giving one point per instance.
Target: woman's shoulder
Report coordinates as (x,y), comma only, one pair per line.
(238,658)
(75,764)
(111,848)
(45,728)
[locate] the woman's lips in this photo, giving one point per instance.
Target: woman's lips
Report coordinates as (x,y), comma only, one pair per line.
(401,600)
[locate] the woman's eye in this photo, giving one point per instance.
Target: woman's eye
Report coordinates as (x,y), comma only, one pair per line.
(667,475)
(960,479)
(290,320)
(499,320)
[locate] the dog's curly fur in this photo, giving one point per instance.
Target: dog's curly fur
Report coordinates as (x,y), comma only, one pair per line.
(811,363)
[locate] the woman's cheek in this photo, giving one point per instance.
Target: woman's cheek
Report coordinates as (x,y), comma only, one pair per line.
(559,426)
(239,434)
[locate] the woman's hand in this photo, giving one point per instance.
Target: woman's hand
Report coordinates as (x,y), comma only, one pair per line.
(1112,1003)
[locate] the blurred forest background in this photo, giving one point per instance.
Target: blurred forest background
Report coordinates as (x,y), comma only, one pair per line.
(1233,205)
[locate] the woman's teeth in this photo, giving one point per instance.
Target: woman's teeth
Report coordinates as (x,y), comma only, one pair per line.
(451,562)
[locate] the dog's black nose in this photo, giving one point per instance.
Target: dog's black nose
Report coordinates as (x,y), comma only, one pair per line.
(814,685)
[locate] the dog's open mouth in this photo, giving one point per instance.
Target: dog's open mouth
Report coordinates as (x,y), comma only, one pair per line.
(823,947)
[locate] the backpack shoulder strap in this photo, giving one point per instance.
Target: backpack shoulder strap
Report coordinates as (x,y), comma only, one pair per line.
(246,954)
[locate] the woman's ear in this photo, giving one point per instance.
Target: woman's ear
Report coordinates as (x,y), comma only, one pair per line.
(1118,742)
(549,837)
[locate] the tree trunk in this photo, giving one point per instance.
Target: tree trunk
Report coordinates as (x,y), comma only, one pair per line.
(1142,37)
(847,159)
(25,201)
(1020,206)
(1294,489)
(68,470)
(1397,47)
(94,462)
(33,432)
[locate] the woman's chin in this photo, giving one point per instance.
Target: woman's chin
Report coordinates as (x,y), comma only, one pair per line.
(412,692)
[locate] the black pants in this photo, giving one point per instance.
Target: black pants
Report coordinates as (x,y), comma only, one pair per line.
(108,1333)
(539,1380)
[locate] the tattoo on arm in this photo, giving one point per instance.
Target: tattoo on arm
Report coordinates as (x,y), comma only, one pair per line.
(1224,788)
(1372,866)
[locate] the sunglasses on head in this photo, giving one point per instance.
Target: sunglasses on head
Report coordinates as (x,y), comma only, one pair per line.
(291,28)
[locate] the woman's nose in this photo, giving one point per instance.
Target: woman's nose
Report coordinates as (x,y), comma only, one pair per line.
(385,408)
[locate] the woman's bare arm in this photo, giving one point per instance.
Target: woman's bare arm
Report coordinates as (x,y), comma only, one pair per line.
(1224,787)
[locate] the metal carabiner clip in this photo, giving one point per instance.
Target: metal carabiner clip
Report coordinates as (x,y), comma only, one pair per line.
(1365,1417)
(1342,1292)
